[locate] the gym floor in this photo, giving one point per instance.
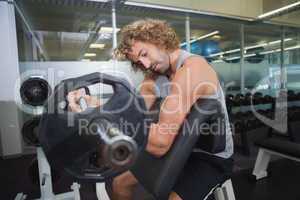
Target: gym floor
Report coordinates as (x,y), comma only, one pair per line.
(283,182)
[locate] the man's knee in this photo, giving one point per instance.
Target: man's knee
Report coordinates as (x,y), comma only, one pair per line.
(174,196)
(125,180)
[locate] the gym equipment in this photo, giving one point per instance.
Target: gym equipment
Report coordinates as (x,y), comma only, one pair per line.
(277,147)
(54,73)
(30,131)
(33,173)
(35,91)
(229,102)
(247,99)
(105,129)
(45,181)
(238,99)
(257,98)
(120,149)
(163,171)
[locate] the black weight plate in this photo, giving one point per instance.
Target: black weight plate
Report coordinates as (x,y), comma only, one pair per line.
(35,91)
(30,131)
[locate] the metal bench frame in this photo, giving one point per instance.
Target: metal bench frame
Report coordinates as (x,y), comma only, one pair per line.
(223,192)
(263,159)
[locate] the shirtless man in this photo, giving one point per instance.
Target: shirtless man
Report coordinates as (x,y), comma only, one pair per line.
(180,78)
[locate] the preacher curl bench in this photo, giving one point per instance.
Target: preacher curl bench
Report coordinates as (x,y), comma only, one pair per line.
(101,131)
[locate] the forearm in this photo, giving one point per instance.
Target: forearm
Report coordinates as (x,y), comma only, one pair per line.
(163,133)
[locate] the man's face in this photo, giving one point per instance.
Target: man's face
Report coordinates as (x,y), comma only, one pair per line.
(150,57)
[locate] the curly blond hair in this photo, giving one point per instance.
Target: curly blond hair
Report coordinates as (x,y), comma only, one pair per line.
(157,32)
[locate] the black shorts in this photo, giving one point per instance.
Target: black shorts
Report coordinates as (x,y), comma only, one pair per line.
(201,174)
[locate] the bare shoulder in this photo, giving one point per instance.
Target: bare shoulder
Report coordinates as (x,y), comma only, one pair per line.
(199,64)
(196,71)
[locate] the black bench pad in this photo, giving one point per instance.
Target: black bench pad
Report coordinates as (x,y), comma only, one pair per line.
(281,146)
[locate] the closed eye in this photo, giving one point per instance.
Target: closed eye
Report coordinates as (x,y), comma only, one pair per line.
(144,54)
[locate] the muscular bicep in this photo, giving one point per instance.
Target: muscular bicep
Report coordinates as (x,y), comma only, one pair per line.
(194,80)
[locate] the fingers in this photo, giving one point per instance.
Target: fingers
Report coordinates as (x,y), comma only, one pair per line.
(74,97)
(91,101)
(75,107)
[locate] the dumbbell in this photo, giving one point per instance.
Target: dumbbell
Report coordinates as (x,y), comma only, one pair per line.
(238,126)
(257,98)
(34,91)
(238,99)
(229,100)
(30,131)
(247,99)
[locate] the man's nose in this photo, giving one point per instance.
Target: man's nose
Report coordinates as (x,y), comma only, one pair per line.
(146,63)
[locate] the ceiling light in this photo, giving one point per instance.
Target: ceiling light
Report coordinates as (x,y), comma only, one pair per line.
(207,35)
(217,37)
(217,54)
(233,58)
(292,48)
(201,37)
(233,51)
(249,55)
(104,29)
(279,50)
(279,10)
(238,57)
(90,54)
(271,51)
(278,41)
(267,52)
(97,46)
(217,61)
(256,46)
(102,1)
(250,47)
